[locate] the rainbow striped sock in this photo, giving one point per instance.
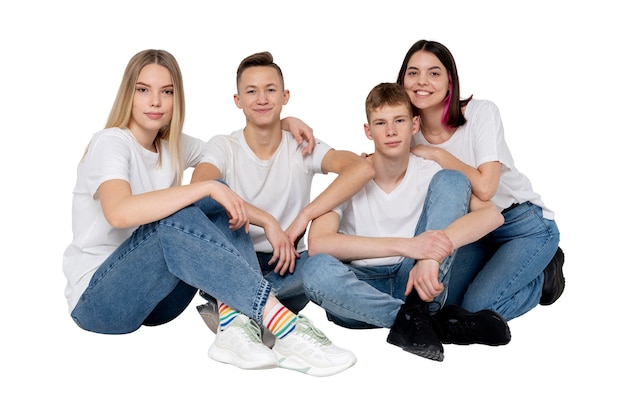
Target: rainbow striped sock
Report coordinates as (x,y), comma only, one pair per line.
(227,314)
(280,321)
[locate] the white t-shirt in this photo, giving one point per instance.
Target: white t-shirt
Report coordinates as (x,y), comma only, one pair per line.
(374,213)
(112,154)
(481,140)
(280,186)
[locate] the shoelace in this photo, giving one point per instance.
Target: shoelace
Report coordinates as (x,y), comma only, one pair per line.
(420,318)
(252,330)
(459,329)
(307,328)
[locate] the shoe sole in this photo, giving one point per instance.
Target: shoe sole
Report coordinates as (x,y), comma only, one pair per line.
(226,356)
(557,262)
(424,353)
(295,363)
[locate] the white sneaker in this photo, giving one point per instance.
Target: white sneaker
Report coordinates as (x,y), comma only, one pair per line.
(306,349)
(240,345)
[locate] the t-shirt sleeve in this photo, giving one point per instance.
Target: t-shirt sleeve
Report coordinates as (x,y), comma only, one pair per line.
(314,161)
(107,158)
(216,152)
(488,133)
(193,150)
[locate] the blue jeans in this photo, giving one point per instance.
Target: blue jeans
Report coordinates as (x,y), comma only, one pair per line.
(504,270)
(153,275)
(367,297)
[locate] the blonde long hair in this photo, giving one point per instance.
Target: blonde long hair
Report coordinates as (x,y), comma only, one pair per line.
(122,106)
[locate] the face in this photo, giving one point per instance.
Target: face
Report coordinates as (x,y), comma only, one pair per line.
(426,80)
(391,128)
(261,95)
(153,101)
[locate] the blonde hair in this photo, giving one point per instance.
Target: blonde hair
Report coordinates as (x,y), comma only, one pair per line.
(122,106)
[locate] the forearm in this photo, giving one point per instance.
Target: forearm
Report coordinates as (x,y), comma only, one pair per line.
(484,179)
(474,225)
(135,210)
(348,248)
(347,183)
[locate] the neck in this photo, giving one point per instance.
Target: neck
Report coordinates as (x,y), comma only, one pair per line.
(389,171)
(145,138)
(263,141)
(433,129)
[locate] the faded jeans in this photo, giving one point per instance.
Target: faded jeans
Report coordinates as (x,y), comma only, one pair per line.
(503,271)
(153,275)
(367,297)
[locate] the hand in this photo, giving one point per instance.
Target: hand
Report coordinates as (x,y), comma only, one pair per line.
(234,205)
(297,229)
(431,244)
(367,156)
(301,132)
(424,278)
(425,151)
(284,252)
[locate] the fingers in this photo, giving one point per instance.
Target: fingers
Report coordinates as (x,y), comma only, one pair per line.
(309,146)
(239,218)
(285,258)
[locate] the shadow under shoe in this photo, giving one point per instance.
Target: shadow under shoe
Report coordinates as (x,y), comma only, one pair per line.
(553,279)
(413,332)
(455,325)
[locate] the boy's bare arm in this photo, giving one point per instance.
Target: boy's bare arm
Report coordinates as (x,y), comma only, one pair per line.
(482,218)
(352,172)
(325,238)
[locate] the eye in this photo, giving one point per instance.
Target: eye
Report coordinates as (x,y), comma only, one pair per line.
(379,123)
(169,91)
(141,89)
(411,73)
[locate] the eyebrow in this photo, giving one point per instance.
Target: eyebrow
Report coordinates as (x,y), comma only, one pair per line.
(429,68)
(256,86)
(148,85)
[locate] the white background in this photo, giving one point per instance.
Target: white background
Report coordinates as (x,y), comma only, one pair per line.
(555,69)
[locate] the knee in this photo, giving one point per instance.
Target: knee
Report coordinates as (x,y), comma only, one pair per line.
(451,181)
(315,272)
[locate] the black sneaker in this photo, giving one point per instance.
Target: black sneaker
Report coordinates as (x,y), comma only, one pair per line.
(454,324)
(553,279)
(413,332)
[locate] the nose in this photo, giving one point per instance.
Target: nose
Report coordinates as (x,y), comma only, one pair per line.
(422,79)
(155,99)
(261,97)
(391,130)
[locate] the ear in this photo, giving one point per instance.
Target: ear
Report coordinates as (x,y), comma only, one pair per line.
(416,124)
(366,128)
(286,96)
(237,100)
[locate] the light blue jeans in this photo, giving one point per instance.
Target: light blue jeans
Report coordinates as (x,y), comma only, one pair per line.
(367,297)
(153,276)
(504,270)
